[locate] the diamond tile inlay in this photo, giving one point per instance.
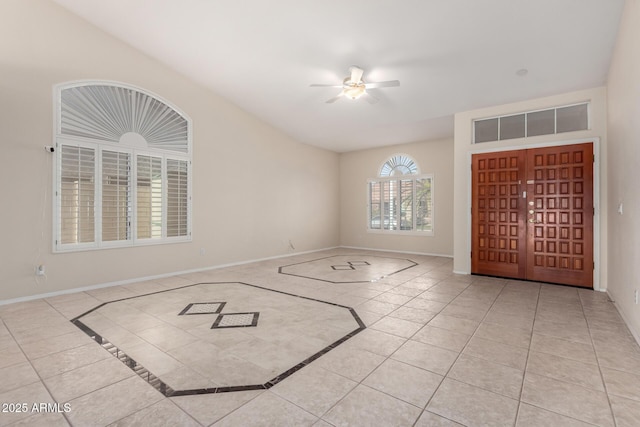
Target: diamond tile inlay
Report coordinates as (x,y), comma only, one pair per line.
(236,320)
(343,267)
(203,308)
(356,268)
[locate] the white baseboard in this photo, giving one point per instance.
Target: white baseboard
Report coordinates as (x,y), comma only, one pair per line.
(630,325)
(398,252)
(461,272)
(158,276)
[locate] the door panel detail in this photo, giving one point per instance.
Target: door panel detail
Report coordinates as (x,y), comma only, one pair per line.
(497,210)
(532,214)
(561,244)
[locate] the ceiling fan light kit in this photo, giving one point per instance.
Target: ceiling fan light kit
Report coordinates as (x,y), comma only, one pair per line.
(352,90)
(353,87)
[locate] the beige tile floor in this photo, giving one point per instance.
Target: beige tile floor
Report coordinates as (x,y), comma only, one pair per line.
(186,353)
(439,350)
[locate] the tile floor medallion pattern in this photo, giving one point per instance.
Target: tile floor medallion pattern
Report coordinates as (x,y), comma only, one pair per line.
(236,320)
(203,308)
(348,268)
(350,265)
(439,349)
(294,331)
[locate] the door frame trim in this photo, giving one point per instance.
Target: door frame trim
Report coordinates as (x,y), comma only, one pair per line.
(596,191)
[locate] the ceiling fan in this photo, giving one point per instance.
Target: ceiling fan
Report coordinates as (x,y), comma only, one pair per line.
(353,87)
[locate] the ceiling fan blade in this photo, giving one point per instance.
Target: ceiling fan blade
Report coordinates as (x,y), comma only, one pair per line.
(322,85)
(334,99)
(370,98)
(390,83)
(356,74)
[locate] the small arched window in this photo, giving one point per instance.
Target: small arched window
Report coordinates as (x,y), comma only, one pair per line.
(400,199)
(123,168)
(400,164)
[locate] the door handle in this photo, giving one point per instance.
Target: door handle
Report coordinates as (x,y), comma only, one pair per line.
(532,219)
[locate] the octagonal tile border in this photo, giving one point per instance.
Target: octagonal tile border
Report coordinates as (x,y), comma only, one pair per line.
(350,264)
(166,390)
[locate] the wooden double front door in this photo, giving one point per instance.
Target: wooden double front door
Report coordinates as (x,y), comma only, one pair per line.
(532,214)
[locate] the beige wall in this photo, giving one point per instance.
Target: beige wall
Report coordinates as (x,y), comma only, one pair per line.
(433,157)
(624,166)
(464,148)
(254,188)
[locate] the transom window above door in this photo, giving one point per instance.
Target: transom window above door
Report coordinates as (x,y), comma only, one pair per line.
(400,199)
(568,118)
(123,168)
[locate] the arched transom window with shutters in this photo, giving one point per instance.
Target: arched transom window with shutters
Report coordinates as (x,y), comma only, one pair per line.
(123,168)
(400,198)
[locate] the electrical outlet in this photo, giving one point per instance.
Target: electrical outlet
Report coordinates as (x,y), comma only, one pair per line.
(203,251)
(40,270)
(636,295)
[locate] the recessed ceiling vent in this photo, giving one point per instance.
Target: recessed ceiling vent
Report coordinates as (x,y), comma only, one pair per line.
(109,112)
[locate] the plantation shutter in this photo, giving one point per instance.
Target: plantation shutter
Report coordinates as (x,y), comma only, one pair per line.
(116,196)
(400,200)
(424,208)
(123,168)
(388,201)
(177,198)
(149,197)
(406,204)
(77,195)
(375,217)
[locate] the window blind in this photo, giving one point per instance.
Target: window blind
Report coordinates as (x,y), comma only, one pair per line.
(149,197)
(424,205)
(77,194)
(177,198)
(123,168)
(116,196)
(401,204)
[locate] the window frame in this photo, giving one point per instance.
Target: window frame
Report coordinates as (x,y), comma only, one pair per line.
(526,117)
(134,151)
(414,178)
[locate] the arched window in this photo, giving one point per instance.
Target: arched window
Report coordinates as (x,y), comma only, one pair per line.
(123,168)
(400,199)
(400,164)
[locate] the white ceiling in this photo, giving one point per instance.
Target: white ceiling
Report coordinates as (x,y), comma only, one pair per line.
(449,55)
